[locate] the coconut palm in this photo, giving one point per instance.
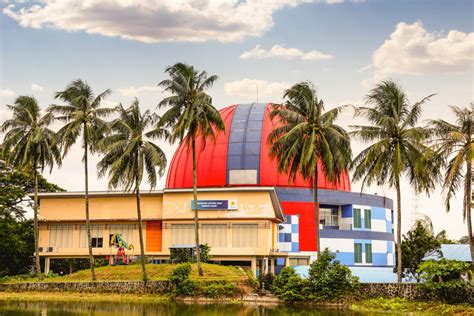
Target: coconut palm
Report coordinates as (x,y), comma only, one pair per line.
(129,155)
(83,118)
(396,147)
(30,146)
(306,136)
(455,142)
(191,114)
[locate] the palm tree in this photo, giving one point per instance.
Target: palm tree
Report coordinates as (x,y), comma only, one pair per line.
(191,114)
(307,136)
(129,154)
(83,117)
(455,142)
(30,146)
(396,147)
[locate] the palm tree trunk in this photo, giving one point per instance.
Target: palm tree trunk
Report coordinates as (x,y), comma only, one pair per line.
(36,227)
(196,217)
(140,230)
(467,208)
(86,196)
(399,231)
(316,210)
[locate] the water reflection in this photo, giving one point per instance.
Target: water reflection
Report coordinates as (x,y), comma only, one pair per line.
(98,309)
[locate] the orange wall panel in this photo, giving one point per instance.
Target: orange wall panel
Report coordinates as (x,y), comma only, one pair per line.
(154,236)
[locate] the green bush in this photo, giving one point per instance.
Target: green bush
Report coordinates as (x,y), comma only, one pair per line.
(442,279)
(182,255)
(252,280)
(328,279)
(219,289)
(179,278)
(289,286)
(205,252)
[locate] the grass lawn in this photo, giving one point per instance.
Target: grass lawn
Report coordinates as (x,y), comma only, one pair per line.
(407,306)
(133,272)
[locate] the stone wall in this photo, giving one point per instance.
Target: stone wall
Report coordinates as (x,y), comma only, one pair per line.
(409,291)
(124,287)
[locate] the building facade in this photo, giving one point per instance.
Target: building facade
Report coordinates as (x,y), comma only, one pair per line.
(250,214)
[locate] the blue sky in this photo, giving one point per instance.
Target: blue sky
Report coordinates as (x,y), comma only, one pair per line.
(343,47)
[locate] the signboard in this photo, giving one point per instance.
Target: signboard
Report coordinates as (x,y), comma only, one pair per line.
(215,205)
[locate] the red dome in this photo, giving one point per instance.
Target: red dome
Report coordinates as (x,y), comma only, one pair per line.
(239,156)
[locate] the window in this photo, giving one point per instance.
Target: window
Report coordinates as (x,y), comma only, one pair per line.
(299,262)
(97,236)
(215,235)
(328,216)
(357,218)
(60,236)
(126,230)
(367,219)
(358,253)
(245,235)
(182,234)
(368,253)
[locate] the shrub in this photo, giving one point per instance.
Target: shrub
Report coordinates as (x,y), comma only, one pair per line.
(442,279)
(179,278)
(330,279)
(182,255)
(251,280)
(289,286)
(219,289)
(205,252)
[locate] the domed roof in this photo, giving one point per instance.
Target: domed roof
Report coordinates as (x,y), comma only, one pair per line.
(239,156)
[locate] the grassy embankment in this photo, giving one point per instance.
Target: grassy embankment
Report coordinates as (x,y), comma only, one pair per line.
(133,272)
(401,305)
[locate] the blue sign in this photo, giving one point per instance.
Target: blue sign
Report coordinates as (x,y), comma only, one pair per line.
(215,205)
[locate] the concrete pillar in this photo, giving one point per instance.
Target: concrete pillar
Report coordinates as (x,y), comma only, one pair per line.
(254,266)
(47,263)
(287,261)
(273,263)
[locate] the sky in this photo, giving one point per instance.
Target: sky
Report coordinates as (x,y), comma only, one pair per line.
(344,47)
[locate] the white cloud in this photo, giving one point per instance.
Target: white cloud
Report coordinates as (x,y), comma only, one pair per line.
(36,88)
(411,49)
(284,52)
(247,88)
(136,91)
(7,93)
(155,21)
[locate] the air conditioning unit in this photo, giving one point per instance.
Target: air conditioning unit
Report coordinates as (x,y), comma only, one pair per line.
(41,249)
(52,249)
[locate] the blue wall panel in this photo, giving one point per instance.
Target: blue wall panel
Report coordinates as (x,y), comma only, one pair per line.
(379,259)
(346,211)
(346,258)
(378,213)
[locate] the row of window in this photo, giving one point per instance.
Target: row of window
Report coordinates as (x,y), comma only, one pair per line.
(61,236)
(358,253)
(215,235)
(358,218)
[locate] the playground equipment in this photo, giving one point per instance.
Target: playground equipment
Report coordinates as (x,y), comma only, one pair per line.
(118,242)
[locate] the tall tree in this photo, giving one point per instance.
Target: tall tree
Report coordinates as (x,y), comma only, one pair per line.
(396,147)
(30,145)
(191,115)
(307,138)
(83,118)
(129,155)
(455,142)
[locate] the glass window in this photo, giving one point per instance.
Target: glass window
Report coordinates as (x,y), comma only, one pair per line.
(60,236)
(182,234)
(358,253)
(299,262)
(357,218)
(328,216)
(368,219)
(368,253)
(97,236)
(245,235)
(126,230)
(215,235)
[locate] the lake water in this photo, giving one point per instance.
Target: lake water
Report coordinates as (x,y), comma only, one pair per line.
(85,308)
